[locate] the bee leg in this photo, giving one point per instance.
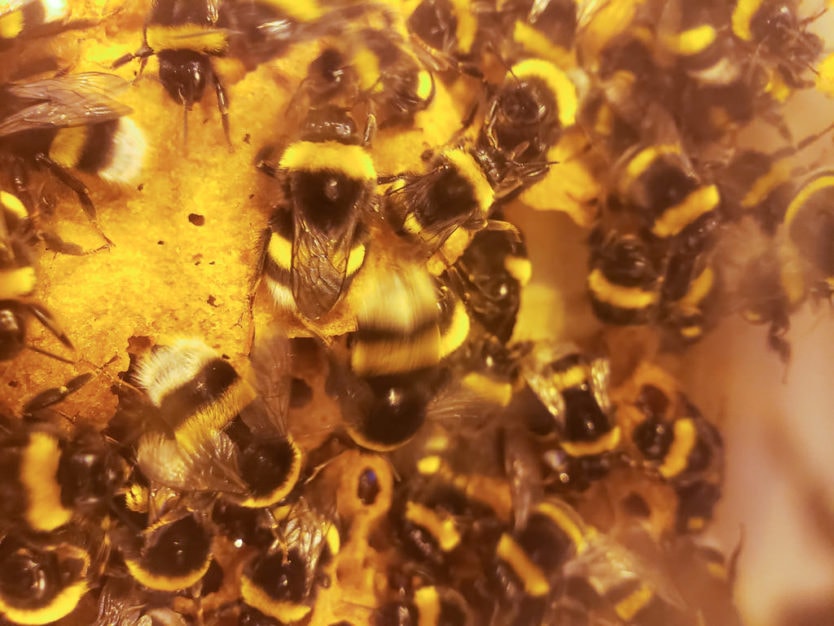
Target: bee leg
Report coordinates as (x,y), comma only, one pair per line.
(223,107)
(50,397)
(370,129)
(55,243)
(45,317)
(78,187)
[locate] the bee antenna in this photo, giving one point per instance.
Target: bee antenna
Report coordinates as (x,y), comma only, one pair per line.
(51,355)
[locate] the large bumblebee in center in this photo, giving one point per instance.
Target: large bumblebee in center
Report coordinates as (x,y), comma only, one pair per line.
(316,238)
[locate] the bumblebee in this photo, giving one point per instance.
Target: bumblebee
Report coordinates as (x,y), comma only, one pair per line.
(316,241)
(450,35)
(262,30)
(43,580)
(602,573)
(282,582)
(775,30)
(624,279)
(524,119)
(441,209)
(184,37)
(212,430)
(29,18)
(54,479)
(567,396)
(374,65)
(171,553)
(395,359)
(69,122)
(17,284)
(677,442)
(490,276)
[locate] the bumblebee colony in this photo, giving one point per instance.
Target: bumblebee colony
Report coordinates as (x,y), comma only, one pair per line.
(270,370)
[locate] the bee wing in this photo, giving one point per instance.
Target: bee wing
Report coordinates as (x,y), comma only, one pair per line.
(270,361)
(64,101)
(606,564)
(319,266)
(416,192)
(211,467)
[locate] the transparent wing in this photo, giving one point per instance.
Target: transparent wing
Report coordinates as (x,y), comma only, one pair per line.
(64,101)
(270,361)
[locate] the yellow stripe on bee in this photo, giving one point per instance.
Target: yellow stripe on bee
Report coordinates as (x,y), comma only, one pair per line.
(825,76)
(627,608)
(283,490)
(532,577)
(187,37)
(39,475)
(160,582)
(467,27)
(609,441)
(442,530)
(520,268)
(367,69)
(743,17)
(556,80)
(819,183)
(280,251)
(334,542)
(456,333)
(538,45)
(12,204)
(778,174)
(474,175)
(700,288)
(674,219)
(683,443)
(425,85)
(315,156)
(11,24)
(574,376)
(68,145)
(641,161)
(568,522)
(355,259)
(60,606)
(631,298)
(690,42)
(427,601)
(284,612)
(17,283)
(489,389)
(213,417)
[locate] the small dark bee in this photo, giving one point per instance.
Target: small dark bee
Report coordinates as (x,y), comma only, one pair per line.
(524,119)
(172,553)
(43,580)
(65,122)
(316,240)
(373,65)
(17,284)
(184,36)
(624,279)
(54,479)
(213,431)
(774,30)
(567,397)
(490,276)
(677,442)
(441,209)
(282,582)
